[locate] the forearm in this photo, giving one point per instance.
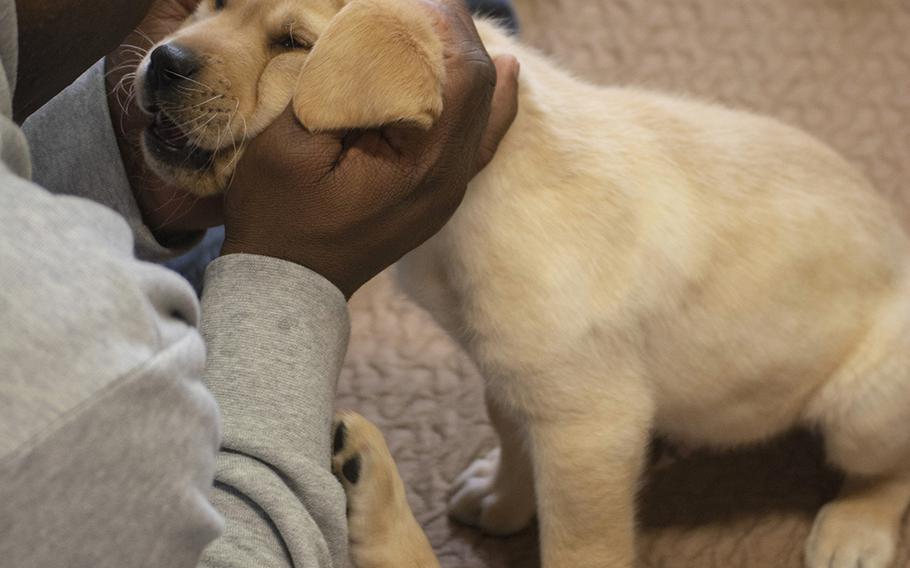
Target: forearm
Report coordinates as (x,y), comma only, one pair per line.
(276,335)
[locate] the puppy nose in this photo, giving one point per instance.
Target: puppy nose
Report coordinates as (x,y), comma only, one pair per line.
(169,64)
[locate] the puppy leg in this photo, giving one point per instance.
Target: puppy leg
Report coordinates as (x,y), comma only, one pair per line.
(382,530)
(587,462)
(861,527)
(863,413)
(496,492)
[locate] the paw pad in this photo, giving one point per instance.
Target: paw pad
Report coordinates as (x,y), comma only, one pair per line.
(341,433)
(351,469)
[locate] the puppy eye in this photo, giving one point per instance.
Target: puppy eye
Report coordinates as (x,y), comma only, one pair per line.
(219,4)
(291,42)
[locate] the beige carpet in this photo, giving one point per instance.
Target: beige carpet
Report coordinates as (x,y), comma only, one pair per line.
(839,68)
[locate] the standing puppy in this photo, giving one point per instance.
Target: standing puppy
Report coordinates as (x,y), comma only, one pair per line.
(628,263)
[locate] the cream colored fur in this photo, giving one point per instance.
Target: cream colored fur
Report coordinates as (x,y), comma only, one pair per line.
(247,79)
(629,263)
(382,528)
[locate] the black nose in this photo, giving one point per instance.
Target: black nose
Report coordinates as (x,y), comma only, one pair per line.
(170,64)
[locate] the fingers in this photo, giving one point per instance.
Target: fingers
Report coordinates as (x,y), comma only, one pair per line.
(286,136)
(479,103)
(503,108)
(285,141)
(468,87)
(469,82)
(457,10)
(469,69)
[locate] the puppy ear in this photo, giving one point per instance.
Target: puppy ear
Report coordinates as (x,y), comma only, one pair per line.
(378,62)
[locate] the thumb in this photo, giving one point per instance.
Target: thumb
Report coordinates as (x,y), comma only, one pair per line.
(503,109)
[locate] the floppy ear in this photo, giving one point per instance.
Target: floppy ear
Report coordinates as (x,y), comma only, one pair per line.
(378,62)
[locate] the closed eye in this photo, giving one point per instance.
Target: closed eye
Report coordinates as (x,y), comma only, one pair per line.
(292,42)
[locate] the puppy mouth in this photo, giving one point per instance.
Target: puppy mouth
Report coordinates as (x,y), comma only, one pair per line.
(169,143)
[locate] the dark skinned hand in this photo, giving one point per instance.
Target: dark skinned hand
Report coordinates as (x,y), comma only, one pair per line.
(348,205)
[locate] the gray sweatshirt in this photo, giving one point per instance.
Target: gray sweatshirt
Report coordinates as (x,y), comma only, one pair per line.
(110,436)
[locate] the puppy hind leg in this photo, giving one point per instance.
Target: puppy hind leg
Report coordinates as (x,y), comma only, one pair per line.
(496,492)
(861,527)
(863,414)
(382,531)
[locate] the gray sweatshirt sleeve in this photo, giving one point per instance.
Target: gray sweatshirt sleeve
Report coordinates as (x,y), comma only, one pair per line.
(276,334)
(74,152)
(280,333)
(108,437)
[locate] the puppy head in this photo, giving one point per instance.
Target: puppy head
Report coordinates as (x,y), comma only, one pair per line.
(235,65)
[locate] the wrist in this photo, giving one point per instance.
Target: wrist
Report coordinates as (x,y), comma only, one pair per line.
(233,246)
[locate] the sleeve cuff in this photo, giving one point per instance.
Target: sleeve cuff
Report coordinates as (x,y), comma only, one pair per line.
(74,152)
(277,334)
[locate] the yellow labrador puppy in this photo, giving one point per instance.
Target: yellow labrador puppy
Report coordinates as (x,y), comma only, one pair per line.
(629,262)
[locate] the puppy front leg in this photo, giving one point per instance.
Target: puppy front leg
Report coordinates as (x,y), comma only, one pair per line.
(587,464)
(496,492)
(382,531)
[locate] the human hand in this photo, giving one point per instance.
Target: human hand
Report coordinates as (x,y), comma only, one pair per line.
(171,213)
(348,205)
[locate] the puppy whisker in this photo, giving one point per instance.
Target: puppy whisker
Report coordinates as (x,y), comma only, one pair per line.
(130,64)
(185,89)
(135,51)
(185,78)
(143,35)
(193,123)
(197,105)
(198,128)
(235,149)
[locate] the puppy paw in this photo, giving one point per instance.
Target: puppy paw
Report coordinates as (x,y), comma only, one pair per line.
(382,531)
(846,536)
(488,501)
(362,463)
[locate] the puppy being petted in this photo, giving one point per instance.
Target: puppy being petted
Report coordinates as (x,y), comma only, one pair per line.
(629,262)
